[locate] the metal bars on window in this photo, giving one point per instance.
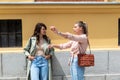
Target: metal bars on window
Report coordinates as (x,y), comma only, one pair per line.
(11,33)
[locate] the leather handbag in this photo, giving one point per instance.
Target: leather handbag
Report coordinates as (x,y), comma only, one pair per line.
(84,59)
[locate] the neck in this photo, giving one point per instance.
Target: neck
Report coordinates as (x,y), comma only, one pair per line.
(80,33)
(41,36)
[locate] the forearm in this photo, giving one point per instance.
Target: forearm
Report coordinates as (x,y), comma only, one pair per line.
(56,46)
(62,34)
(72,36)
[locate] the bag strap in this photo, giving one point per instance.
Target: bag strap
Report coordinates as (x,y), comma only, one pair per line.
(88,45)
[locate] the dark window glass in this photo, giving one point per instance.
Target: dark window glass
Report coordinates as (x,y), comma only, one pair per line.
(119,32)
(11,33)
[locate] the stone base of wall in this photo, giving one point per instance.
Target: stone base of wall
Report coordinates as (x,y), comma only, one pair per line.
(12,78)
(13,66)
(68,77)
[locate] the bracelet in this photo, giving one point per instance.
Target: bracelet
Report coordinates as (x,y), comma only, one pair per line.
(59,33)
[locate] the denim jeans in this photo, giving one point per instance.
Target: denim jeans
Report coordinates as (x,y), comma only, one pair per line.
(39,68)
(77,72)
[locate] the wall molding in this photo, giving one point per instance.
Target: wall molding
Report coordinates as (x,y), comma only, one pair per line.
(39,8)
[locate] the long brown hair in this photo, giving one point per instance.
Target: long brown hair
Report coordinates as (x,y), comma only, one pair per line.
(37,32)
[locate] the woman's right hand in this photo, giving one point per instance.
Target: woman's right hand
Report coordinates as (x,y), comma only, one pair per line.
(52,28)
(31,57)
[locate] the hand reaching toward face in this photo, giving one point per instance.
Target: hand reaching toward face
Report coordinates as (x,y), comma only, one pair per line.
(52,28)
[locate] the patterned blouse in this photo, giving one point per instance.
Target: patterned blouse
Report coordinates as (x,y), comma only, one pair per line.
(77,44)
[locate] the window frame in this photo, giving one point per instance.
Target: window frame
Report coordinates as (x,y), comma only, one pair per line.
(10,38)
(119,32)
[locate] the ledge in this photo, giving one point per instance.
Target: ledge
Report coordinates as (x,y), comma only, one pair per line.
(59,7)
(61,2)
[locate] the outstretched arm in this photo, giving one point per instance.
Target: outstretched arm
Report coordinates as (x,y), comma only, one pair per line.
(55,46)
(61,46)
(79,38)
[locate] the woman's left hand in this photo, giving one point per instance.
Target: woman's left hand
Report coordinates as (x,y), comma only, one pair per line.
(47,56)
(50,46)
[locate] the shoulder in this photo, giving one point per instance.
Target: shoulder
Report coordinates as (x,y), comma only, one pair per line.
(49,40)
(83,36)
(33,38)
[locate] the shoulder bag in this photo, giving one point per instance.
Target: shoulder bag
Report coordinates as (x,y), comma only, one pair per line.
(85,60)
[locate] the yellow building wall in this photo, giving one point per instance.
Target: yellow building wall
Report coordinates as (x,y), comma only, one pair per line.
(102,22)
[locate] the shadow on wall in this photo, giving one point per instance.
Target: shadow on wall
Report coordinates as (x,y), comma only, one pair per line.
(60,65)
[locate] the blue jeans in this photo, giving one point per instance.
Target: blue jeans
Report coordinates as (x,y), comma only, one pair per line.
(39,68)
(77,72)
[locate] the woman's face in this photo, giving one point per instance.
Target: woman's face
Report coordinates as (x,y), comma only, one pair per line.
(43,31)
(77,29)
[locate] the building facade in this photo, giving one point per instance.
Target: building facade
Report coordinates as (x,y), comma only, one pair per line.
(102,19)
(19,17)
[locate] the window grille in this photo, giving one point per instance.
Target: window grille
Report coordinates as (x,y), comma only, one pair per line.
(11,33)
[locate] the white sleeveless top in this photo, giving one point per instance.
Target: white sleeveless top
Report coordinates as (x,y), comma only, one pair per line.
(40,51)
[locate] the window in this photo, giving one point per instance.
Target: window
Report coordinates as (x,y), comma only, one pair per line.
(11,33)
(119,32)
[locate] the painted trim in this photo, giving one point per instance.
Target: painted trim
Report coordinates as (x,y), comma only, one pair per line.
(28,8)
(66,3)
